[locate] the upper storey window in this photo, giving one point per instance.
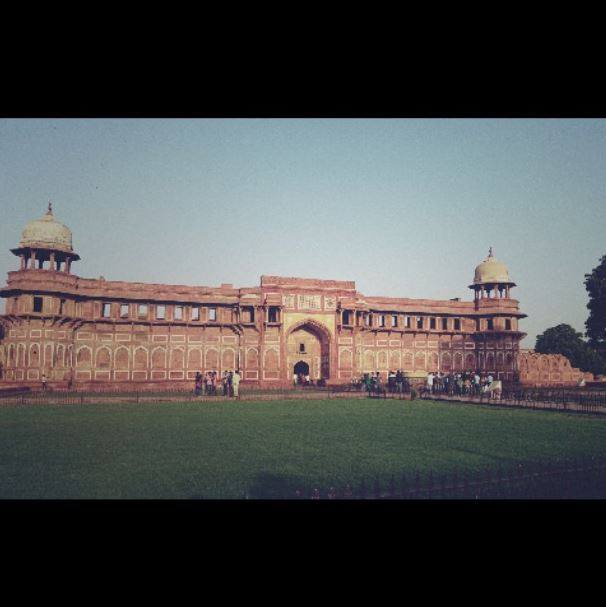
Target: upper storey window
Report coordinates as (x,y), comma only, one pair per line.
(160,312)
(346,317)
(195,313)
(508,324)
(394,320)
(381,320)
(408,322)
(123,310)
(432,323)
(457,324)
(489,324)
(178,312)
(106,310)
(38,304)
(419,322)
(212,314)
(445,324)
(272,315)
(142,311)
(248,314)
(367,320)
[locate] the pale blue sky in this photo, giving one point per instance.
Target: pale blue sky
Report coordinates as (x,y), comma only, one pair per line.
(404,207)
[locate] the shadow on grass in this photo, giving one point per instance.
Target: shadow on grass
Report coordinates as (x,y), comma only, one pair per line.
(267,485)
(270,486)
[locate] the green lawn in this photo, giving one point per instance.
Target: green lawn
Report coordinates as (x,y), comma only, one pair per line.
(226,450)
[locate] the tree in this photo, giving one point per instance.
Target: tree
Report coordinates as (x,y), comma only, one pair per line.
(563,339)
(595,325)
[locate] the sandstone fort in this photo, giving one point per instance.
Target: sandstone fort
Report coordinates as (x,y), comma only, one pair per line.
(90,332)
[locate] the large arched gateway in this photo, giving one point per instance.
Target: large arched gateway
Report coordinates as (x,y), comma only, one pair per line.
(309,344)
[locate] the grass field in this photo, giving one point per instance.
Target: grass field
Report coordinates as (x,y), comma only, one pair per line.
(228,450)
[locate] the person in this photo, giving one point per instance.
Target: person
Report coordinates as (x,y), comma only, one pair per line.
(430,382)
(198,384)
(225,383)
(307,380)
(235,382)
(294,379)
(230,383)
(70,381)
(1,370)
(209,383)
(399,380)
(476,384)
(43,381)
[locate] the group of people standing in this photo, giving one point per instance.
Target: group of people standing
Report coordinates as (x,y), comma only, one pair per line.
(466,382)
(396,381)
(209,383)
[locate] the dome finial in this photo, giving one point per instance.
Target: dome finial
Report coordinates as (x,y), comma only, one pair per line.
(490,252)
(50,208)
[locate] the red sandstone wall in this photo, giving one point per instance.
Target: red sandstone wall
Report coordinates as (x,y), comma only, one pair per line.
(77,342)
(549,370)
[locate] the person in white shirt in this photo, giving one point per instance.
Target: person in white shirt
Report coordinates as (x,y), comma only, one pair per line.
(235,383)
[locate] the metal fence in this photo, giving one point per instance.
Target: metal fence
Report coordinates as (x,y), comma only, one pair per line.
(582,478)
(102,394)
(562,399)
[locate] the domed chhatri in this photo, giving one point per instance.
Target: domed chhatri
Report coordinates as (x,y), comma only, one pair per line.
(491,271)
(47,233)
(491,279)
(46,244)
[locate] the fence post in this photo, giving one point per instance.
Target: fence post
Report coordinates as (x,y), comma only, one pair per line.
(392,488)
(443,484)
(499,483)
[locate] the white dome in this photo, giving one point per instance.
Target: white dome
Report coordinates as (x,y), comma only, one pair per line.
(47,233)
(491,271)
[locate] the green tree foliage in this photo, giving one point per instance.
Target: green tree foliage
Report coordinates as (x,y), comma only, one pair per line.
(563,339)
(595,325)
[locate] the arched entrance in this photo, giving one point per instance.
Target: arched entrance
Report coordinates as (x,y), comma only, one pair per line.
(301,368)
(308,344)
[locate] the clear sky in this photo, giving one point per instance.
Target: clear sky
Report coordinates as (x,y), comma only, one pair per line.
(404,207)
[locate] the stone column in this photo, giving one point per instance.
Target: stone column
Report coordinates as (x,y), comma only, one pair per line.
(32,260)
(52,263)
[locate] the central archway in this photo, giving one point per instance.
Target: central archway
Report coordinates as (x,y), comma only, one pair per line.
(301,368)
(308,342)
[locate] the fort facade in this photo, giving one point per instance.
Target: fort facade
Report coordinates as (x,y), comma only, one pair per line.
(118,334)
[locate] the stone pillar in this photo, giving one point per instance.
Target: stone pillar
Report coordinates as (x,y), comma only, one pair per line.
(68,264)
(52,262)
(32,260)
(23,261)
